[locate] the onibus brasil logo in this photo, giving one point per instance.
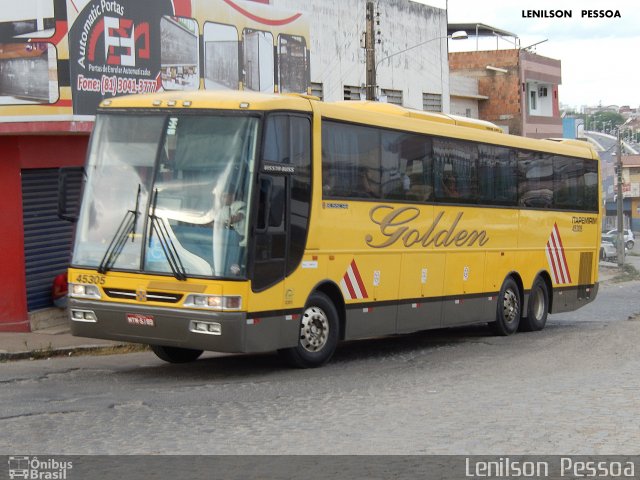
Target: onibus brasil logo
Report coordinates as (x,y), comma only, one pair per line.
(38,469)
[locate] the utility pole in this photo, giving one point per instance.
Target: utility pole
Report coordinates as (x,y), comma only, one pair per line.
(619,203)
(370,48)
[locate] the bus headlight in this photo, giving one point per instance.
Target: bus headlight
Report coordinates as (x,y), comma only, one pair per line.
(79,290)
(214,302)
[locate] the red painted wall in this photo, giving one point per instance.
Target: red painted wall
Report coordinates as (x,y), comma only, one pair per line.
(42,151)
(13,296)
(25,152)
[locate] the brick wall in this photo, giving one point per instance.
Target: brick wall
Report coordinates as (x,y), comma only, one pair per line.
(503,89)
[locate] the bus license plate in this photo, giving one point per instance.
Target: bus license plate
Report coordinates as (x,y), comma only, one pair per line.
(140,319)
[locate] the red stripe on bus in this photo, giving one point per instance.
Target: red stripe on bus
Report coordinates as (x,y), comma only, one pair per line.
(557,257)
(553,261)
(564,258)
(347,282)
(356,273)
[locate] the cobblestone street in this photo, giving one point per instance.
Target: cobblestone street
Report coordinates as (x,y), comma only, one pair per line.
(572,388)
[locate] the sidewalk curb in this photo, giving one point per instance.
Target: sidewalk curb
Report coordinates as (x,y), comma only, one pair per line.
(43,353)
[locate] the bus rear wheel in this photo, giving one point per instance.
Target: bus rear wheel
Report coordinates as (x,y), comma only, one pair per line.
(509,309)
(538,307)
(176,354)
(318,339)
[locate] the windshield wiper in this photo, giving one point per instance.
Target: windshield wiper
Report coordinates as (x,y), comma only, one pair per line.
(164,238)
(126,229)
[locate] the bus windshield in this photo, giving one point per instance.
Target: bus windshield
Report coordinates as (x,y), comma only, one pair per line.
(168,194)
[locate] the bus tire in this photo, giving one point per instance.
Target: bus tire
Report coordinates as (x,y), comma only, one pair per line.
(176,354)
(509,309)
(319,333)
(538,308)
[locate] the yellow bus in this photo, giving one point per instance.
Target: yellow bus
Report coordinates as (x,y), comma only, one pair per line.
(247,222)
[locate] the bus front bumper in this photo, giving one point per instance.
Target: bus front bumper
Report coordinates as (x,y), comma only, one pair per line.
(230,332)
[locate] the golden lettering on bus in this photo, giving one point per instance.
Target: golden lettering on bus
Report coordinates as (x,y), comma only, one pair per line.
(399,225)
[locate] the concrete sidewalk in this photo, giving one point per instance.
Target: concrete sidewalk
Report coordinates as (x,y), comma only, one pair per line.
(51,336)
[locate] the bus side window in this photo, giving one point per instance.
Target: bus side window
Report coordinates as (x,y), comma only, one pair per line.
(416,156)
(271,205)
(263,204)
(497,175)
(270,232)
(284,199)
(568,188)
(535,180)
(276,203)
(455,170)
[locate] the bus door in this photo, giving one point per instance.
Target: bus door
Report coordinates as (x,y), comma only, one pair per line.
(284,200)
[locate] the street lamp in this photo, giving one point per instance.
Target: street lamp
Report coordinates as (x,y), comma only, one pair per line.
(459,35)
(372,81)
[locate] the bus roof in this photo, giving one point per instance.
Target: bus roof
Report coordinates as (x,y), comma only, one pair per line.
(365,112)
(387,108)
(203,99)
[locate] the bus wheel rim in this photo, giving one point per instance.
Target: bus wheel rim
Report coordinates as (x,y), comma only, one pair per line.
(314,329)
(510,306)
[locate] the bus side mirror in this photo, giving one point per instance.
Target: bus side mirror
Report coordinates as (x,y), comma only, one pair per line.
(69,187)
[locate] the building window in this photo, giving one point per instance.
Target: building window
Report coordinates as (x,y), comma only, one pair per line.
(391,96)
(432,102)
(541,99)
(354,93)
(533,101)
(317,90)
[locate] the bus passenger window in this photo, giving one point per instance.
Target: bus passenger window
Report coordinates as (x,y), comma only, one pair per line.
(568,187)
(536,180)
(455,170)
(394,182)
(416,166)
(497,175)
(350,161)
(368,184)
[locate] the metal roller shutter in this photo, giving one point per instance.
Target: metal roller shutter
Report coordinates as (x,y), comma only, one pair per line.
(47,239)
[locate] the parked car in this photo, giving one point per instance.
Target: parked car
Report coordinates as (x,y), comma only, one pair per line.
(608,249)
(629,237)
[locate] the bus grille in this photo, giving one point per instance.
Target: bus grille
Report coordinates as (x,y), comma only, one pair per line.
(162,297)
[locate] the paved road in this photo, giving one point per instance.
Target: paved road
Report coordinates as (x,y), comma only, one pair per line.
(573,388)
(608,142)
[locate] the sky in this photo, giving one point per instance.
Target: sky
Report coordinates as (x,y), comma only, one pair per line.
(600,56)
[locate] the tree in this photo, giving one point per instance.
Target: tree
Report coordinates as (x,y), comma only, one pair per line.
(601,120)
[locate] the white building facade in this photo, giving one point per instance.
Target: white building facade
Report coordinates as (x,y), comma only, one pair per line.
(411,35)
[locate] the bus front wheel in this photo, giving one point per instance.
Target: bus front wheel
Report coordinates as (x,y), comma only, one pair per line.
(318,339)
(509,309)
(176,354)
